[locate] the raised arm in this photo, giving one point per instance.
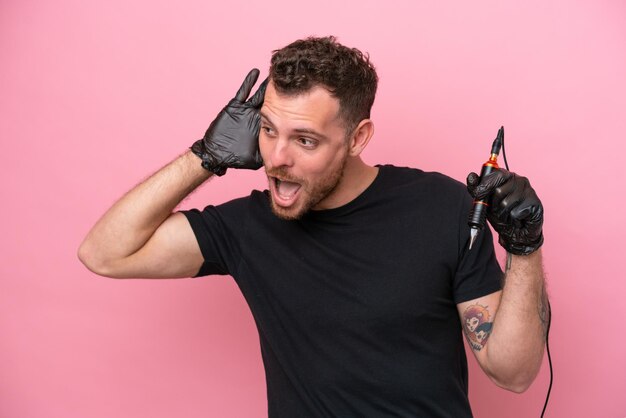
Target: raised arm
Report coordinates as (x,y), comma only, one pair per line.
(139,236)
(506,330)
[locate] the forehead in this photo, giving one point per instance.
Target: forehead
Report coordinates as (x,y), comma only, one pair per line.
(316,107)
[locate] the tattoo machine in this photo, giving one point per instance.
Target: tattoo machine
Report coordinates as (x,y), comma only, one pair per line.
(478,213)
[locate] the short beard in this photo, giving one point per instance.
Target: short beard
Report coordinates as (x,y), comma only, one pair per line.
(316,193)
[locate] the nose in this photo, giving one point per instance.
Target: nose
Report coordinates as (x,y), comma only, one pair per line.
(279,153)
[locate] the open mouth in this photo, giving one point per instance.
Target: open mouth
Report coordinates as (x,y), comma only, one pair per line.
(285,192)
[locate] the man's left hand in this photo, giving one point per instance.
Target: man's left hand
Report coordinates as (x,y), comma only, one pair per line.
(515,211)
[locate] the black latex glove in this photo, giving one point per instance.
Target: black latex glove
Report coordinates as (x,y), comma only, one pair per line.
(514,211)
(232,139)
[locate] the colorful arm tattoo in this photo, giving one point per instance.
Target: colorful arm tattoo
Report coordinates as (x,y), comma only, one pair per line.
(477,324)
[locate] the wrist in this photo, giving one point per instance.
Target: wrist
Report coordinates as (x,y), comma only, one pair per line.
(207,161)
(525,258)
(525,269)
(194,166)
(521,249)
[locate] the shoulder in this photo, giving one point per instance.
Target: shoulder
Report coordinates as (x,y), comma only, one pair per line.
(239,208)
(229,220)
(256,198)
(432,183)
(232,210)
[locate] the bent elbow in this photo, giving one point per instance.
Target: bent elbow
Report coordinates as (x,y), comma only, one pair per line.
(515,374)
(515,384)
(88,256)
(516,387)
(84,255)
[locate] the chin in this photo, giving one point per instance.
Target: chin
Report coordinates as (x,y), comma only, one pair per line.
(290,214)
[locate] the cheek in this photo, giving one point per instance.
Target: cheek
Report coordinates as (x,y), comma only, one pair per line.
(315,167)
(330,159)
(319,168)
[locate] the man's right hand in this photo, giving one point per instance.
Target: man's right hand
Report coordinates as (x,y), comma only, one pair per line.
(232,140)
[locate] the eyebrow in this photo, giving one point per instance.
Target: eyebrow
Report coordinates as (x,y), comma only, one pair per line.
(264,116)
(298,130)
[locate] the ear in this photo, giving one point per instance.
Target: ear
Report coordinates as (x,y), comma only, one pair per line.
(360,137)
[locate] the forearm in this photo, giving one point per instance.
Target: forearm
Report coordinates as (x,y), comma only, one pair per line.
(516,345)
(132,220)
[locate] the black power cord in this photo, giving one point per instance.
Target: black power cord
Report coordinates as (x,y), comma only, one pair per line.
(549,358)
(506,164)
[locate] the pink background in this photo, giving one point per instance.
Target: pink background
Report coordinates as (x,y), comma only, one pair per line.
(94,96)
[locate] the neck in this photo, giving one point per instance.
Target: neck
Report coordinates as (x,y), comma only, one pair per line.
(357,177)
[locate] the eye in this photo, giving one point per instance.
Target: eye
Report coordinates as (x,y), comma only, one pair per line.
(307,142)
(267,130)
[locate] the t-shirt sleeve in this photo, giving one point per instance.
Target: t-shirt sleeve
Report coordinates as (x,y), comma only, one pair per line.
(478,273)
(217,232)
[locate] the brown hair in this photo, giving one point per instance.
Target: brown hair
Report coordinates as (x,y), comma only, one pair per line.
(345,72)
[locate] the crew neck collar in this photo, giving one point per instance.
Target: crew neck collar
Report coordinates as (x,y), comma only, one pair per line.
(351,205)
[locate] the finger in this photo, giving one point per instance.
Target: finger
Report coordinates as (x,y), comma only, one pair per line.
(529,208)
(246,87)
(257,99)
(472,181)
(505,194)
(516,201)
(504,208)
(489,182)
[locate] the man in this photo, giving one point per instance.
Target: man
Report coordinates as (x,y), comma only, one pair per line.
(359,277)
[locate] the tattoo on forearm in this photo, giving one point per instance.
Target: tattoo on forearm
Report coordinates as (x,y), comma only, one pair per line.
(477,326)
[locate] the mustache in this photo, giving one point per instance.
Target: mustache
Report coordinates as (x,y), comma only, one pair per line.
(283,174)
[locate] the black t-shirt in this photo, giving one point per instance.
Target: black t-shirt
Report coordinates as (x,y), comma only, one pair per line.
(356,306)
